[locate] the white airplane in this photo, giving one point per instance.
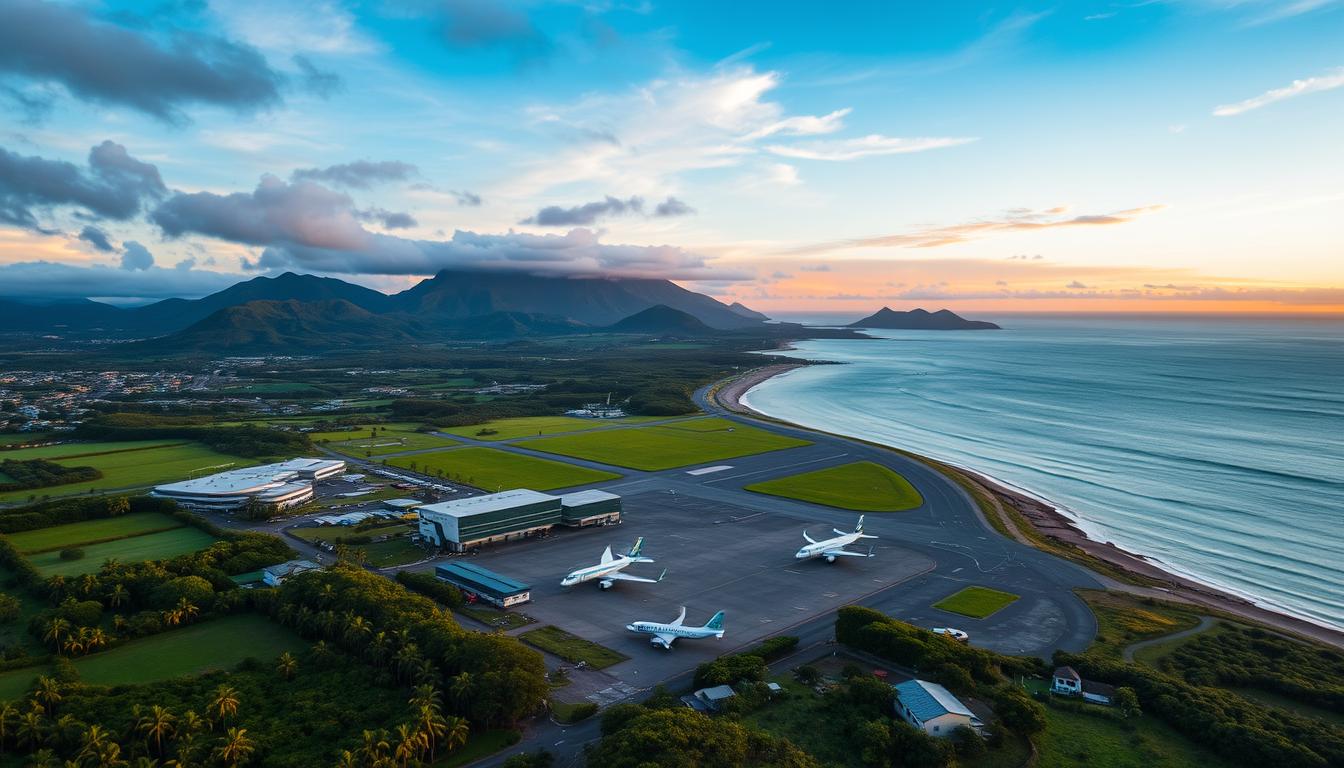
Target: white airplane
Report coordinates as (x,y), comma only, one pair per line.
(608,571)
(665,634)
(833,548)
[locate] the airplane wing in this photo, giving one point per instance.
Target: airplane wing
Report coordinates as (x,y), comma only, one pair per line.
(810,540)
(845,553)
(665,639)
(606,556)
(618,576)
(681,618)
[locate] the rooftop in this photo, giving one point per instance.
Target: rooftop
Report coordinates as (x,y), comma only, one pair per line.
(579,498)
(493,502)
(482,576)
(248,479)
(929,700)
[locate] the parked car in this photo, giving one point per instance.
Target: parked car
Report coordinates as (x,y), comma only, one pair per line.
(955,634)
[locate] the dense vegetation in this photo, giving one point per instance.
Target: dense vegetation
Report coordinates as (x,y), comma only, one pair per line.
(676,737)
(244,440)
(428,585)
(40,473)
(76,510)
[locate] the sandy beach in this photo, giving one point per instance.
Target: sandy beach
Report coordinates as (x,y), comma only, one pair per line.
(1047,521)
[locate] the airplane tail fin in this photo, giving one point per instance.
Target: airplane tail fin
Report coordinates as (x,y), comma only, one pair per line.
(662,575)
(639,544)
(716,622)
(859,528)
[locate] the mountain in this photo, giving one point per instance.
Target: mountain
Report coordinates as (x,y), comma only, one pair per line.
(510,325)
(920,320)
(172,314)
(592,301)
(23,314)
(744,311)
(663,320)
(289,326)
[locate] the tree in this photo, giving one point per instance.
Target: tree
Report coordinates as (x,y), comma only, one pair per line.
(456,732)
(807,674)
(235,747)
(225,703)
(9,714)
(47,693)
(1127,702)
(55,631)
(117,595)
(93,741)
(1018,711)
(157,725)
(410,744)
(287,665)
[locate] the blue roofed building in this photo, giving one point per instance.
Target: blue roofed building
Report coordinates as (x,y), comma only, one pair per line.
(485,584)
(932,708)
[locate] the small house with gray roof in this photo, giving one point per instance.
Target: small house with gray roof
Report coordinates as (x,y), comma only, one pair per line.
(932,708)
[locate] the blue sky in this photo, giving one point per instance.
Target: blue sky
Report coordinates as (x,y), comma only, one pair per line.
(1074,155)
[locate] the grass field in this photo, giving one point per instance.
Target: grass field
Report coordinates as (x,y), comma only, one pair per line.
(390,438)
(1072,739)
(977,602)
(493,617)
(70,450)
(861,486)
(479,746)
(396,551)
(534,426)
(218,644)
(492,470)
(666,446)
(153,546)
(91,531)
(135,468)
(572,648)
(1124,619)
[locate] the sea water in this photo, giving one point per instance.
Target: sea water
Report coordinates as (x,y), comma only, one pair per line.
(1214,446)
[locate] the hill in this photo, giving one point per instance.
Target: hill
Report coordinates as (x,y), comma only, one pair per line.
(922,320)
(663,320)
(288,326)
(741,309)
(173,314)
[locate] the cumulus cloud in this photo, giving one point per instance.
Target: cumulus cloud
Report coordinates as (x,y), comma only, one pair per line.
(1327,82)
(315,80)
(469,199)
(586,214)
(361,174)
(1015,220)
(865,146)
(46,279)
(388,219)
(135,256)
(113,186)
(97,238)
(472,24)
(672,207)
(1077,286)
(103,62)
(306,225)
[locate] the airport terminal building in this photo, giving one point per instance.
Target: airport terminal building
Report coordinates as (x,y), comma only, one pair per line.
(462,524)
(281,485)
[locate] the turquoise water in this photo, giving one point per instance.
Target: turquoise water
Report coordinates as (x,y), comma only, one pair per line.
(1215,447)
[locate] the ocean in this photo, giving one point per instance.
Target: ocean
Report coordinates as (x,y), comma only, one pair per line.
(1212,446)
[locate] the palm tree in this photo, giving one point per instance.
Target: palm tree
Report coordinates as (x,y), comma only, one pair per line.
(235,747)
(118,595)
(375,747)
(48,693)
(410,744)
(191,724)
(8,714)
(172,617)
(378,647)
(326,594)
(456,732)
(187,609)
(30,730)
(94,739)
(43,758)
(407,659)
(225,703)
(432,727)
(97,639)
(145,762)
(287,665)
(348,759)
(425,696)
(56,630)
(357,628)
(87,583)
(462,687)
(156,725)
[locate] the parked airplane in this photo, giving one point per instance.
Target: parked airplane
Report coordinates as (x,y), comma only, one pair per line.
(833,548)
(608,571)
(665,634)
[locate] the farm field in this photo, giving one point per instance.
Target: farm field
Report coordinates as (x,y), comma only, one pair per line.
(218,644)
(135,468)
(534,426)
(69,450)
(91,531)
(492,470)
(152,546)
(572,648)
(977,602)
(666,446)
(862,486)
(1074,738)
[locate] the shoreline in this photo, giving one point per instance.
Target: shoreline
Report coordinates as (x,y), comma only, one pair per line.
(1047,521)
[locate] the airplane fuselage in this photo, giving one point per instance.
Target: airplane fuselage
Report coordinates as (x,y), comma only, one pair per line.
(595,572)
(820,548)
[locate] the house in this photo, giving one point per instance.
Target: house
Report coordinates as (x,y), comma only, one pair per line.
(714,697)
(932,708)
(1067,682)
(276,574)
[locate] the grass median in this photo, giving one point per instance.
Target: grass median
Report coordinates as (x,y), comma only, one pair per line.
(977,602)
(494,470)
(666,446)
(572,648)
(862,486)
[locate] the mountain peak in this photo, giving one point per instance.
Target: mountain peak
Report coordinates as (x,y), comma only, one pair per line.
(919,319)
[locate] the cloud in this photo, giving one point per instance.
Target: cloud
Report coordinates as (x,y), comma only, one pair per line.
(672,207)
(465,198)
(1076,286)
(96,237)
(44,279)
(321,83)
(1016,220)
(586,214)
(804,125)
(1328,82)
(816,268)
(114,186)
(866,146)
(388,219)
(135,256)
(361,174)
(306,225)
(103,62)
(481,24)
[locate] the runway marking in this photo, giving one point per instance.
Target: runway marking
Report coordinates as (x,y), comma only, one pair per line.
(709,470)
(738,519)
(776,469)
(790,570)
(958,570)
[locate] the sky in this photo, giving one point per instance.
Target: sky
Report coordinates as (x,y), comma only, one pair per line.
(1158,155)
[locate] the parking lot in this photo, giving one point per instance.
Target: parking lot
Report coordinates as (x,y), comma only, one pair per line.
(718,557)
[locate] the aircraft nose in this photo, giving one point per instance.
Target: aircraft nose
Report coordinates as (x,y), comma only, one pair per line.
(632,627)
(802,553)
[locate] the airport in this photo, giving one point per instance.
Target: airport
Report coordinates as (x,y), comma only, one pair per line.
(281,485)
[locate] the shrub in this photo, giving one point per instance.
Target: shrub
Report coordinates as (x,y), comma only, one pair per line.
(775,647)
(72,553)
(10,607)
(430,586)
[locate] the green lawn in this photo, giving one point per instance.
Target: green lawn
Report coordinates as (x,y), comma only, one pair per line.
(1125,619)
(390,438)
(153,546)
(395,551)
(91,531)
(572,648)
(862,486)
(666,446)
(211,645)
(69,450)
(493,617)
(1072,739)
(493,470)
(137,468)
(479,746)
(977,602)
(534,426)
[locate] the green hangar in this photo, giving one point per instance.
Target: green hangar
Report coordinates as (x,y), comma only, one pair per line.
(462,524)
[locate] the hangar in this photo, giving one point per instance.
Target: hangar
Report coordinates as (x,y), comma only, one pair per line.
(280,485)
(461,524)
(485,584)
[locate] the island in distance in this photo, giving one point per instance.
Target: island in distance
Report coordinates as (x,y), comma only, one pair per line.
(922,320)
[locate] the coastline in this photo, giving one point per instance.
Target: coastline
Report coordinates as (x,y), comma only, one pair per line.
(1046,521)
